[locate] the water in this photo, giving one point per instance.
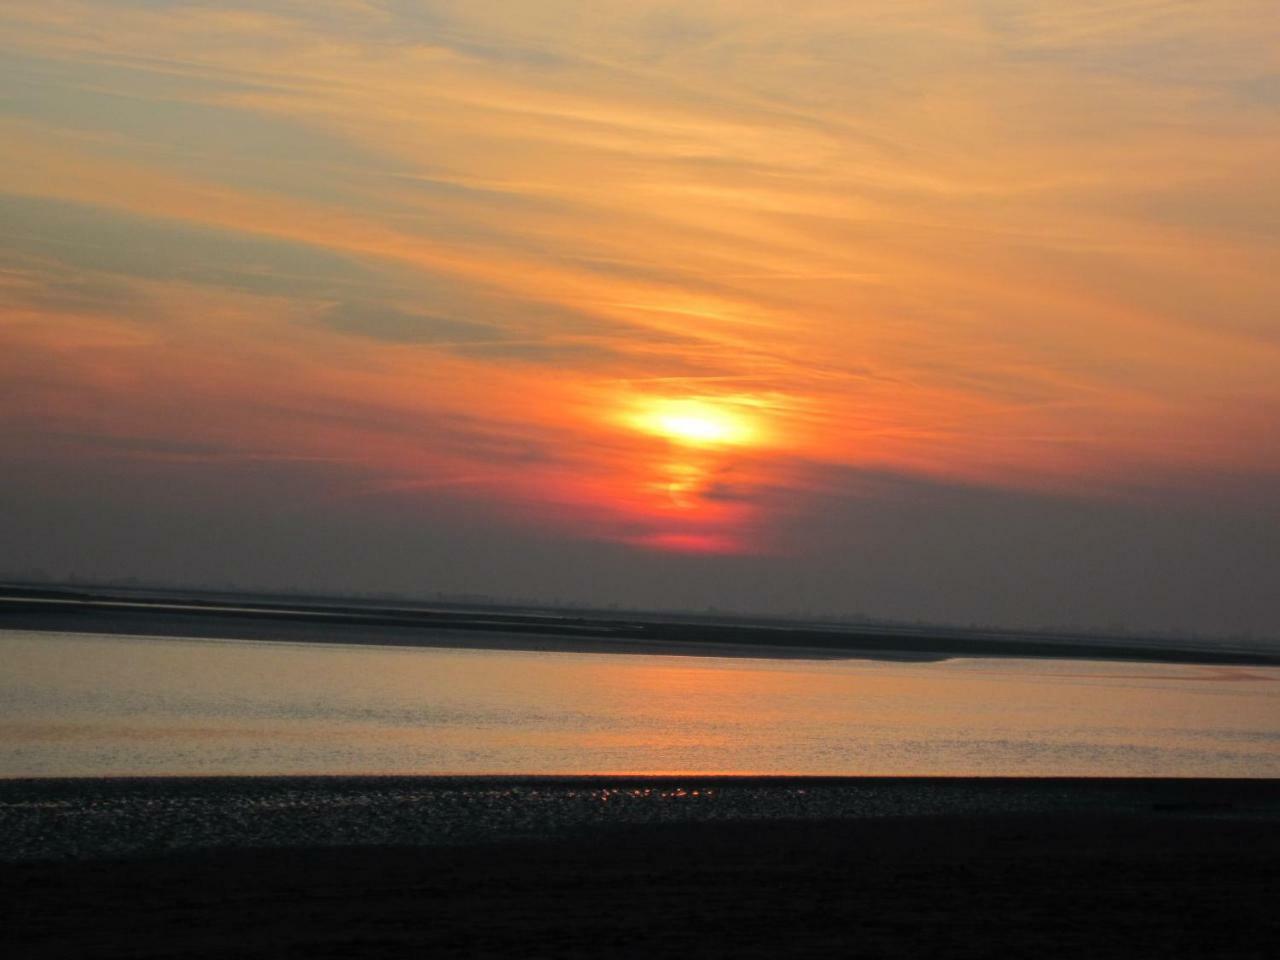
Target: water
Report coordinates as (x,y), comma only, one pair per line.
(88,705)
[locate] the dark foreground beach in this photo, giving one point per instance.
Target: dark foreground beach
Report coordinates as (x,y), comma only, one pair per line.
(497,867)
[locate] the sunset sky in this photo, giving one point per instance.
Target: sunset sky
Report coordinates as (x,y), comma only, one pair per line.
(962,310)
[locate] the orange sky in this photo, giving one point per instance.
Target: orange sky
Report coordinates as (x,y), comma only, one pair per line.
(489,247)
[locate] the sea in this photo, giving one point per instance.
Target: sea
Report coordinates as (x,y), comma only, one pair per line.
(85,705)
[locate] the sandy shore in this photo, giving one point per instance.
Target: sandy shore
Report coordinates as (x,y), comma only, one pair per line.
(504,629)
(1188,872)
(306,630)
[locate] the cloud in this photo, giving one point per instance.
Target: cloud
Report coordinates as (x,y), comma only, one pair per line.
(145,446)
(1019,245)
(400,326)
(548,352)
(83,237)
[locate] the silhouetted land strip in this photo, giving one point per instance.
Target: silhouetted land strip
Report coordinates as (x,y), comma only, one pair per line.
(498,628)
(1105,868)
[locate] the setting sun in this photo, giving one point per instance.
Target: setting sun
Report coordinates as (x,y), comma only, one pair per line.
(696,423)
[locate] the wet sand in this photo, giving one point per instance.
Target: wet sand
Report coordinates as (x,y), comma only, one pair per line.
(1090,868)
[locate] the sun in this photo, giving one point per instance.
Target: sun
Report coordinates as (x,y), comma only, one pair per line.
(696,423)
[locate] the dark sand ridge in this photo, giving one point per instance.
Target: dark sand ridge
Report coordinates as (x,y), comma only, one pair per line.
(252,618)
(1079,868)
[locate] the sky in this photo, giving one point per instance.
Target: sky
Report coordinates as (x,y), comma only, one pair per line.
(957,311)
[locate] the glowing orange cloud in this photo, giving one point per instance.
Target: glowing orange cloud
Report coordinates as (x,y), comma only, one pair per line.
(635,281)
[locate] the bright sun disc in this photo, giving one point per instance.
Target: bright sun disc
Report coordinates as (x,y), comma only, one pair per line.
(696,423)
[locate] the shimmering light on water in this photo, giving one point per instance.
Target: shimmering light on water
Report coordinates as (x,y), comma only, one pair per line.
(74,704)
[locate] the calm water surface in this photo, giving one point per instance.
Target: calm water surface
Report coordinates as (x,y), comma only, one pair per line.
(80,704)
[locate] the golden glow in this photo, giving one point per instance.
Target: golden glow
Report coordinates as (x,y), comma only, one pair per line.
(697,489)
(697,423)
(800,273)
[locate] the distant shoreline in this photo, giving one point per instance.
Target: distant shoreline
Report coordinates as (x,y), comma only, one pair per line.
(198,616)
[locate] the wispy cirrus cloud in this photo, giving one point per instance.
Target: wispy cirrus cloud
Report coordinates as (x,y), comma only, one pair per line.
(1015,244)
